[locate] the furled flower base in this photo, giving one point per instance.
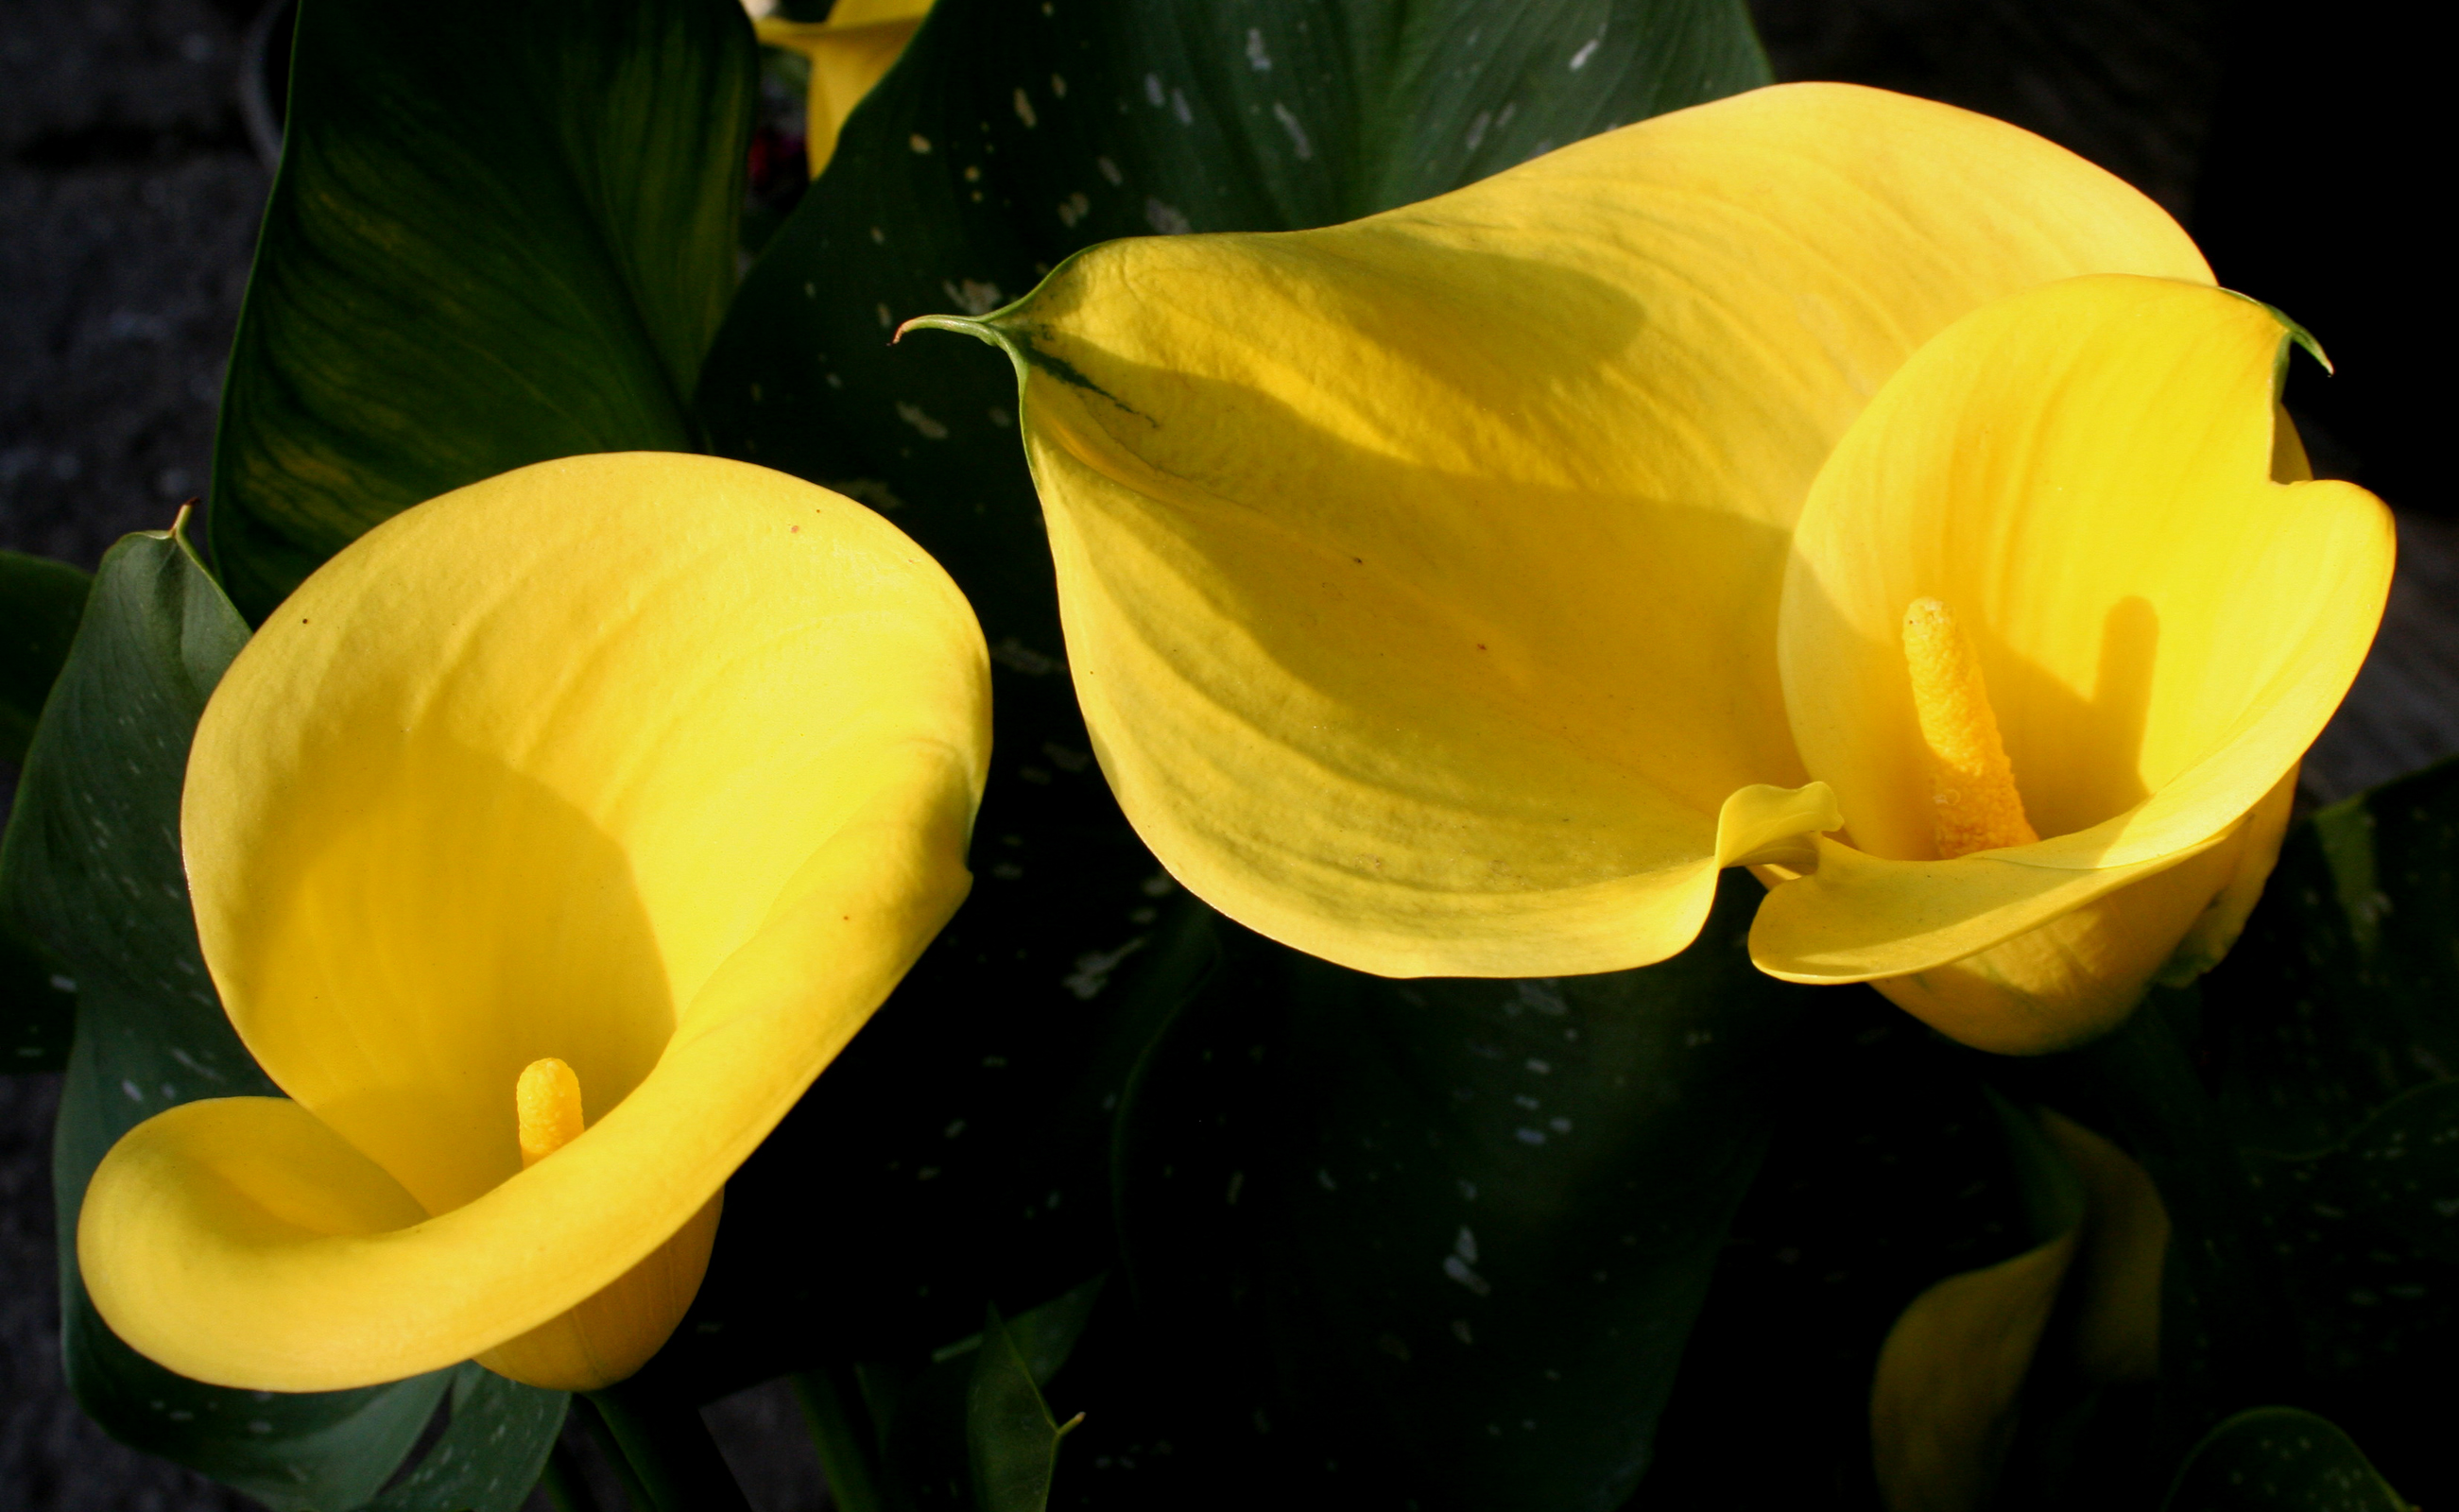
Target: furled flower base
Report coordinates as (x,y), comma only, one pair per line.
(613,1334)
(2078,975)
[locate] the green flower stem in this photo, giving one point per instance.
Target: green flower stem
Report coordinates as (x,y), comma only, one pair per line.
(667,1446)
(636,1496)
(566,1488)
(840,1427)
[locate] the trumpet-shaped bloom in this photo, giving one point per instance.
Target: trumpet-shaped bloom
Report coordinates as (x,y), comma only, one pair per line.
(1457,590)
(849,53)
(544,845)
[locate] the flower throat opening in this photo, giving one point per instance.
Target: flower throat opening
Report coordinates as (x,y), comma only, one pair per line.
(548,1101)
(1974,804)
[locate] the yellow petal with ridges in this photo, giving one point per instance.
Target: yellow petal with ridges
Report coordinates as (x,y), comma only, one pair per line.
(1419,575)
(660,765)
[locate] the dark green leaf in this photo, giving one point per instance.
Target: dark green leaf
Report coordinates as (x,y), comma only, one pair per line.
(1888,1170)
(1012,1440)
(1044,1336)
(40,600)
(91,868)
(2338,996)
(1440,1243)
(1011,135)
(970,1429)
(1038,978)
(501,233)
(491,1451)
(2398,1171)
(38,1006)
(2366,1238)
(963,1135)
(2279,1460)
(2327,1279)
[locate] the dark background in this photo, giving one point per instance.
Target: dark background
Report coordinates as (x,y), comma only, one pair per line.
(2290,137)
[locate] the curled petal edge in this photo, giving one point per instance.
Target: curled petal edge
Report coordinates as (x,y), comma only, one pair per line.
(241,1242)
(2014,957)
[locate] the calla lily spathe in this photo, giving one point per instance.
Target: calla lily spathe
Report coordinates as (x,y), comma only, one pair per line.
(632,782)
(1433,592)
(849,53)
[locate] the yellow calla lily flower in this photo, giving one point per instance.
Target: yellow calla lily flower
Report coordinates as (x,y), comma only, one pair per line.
(2165,614)
(544,845)
(1421,575)
(849,53)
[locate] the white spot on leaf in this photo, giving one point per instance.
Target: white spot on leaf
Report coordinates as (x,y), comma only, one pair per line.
(973,297)
(1457,1269)
(1288,120)
(1093,968)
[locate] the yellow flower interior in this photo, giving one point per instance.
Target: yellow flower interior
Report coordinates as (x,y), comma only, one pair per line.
(1975,805)
(547,1099)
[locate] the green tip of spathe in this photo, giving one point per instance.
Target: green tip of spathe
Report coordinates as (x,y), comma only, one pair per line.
(2301,335)
(979,330)
(2306,339)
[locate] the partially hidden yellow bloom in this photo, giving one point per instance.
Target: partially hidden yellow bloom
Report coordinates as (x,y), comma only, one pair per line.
(849,53)
(544,845)
(1456,591)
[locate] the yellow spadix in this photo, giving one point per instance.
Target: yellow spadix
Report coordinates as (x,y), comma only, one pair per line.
(1444,595)
(544,845)
(849,53)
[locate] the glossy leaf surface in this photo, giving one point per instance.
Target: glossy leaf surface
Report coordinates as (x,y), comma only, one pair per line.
(37,1007)
(1888,1170)
(971,1430)
(950,1117)
(2295,1109)
(2338,995)
(491,1450)
(92,869)
(1010,1438)
(40,600)
(1440,1241)
(2279,1460)
(499,234)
